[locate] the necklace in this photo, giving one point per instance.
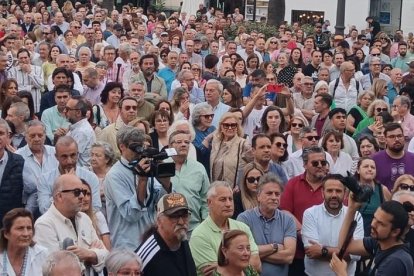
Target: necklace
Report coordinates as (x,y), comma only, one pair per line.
(22,268)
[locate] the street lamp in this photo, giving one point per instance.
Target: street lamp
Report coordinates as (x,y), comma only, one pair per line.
(340,17)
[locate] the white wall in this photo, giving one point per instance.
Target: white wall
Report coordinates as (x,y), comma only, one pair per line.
(355,10)
(407,22)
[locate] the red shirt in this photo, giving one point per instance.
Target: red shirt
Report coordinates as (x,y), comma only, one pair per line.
(298,196)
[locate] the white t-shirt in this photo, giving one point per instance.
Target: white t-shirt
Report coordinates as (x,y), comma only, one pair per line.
(252,121)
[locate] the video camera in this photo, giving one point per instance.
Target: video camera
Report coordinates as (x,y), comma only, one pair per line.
(362,193)
(157,167)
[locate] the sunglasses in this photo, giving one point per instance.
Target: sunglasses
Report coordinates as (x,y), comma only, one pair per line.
(297,125)
(315,163)
(208,116)
(229,126)
(76,192)
(252,179)
(129,107)
(281,145)
(273,42)
(406,187)
(310,138)
(284,41)
(375,55)
(45,33)
(379,109)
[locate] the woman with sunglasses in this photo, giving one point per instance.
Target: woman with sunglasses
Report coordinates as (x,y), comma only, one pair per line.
(359,112)
(271,45)
(404,182)
(365,175)
(373,113)
(246,198)
(98,219)
(333,143)
(19,253)
(230,152)
(278,151)
(292,136)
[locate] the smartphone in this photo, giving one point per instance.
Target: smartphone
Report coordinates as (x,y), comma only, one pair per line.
(275,88)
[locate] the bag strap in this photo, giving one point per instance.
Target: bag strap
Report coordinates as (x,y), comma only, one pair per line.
(98,115)
(382,258)
(337,83)
(241,144)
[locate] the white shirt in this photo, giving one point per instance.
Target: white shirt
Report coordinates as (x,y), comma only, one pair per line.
(36,257)
(253,121)
(343,164)
(343,98)
(322,227)
(82,132)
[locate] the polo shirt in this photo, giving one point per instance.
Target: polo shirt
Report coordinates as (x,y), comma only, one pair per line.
(266,231)
(296,198)
(205,241)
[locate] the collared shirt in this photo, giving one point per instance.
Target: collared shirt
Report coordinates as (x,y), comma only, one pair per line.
(45,187)
(93,94)
(344,98)
(82,132)
(36,255)
(192,181)
(17,140)
(367,80)
(205,241)
(127,219)
(218,110)
(268,231)
(53,120)
(32,171)
(3,162)
(323,227)
(408,125)
(53,228)
(108,134)
(402,62)
(32,82)
(114,41)
(169,76)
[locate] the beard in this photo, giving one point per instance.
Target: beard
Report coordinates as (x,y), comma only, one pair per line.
(181,233)
(396,148)
(148,72)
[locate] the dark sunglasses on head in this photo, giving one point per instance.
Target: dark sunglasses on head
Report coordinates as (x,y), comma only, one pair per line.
(280,145)
(297,125)
(228,126)
(406,187)
(315,163)
(379,109)
(252,179)
(76,192)
(310,138)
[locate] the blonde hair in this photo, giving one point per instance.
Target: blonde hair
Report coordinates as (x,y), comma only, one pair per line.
(226,116)
(249,200)
(400,180)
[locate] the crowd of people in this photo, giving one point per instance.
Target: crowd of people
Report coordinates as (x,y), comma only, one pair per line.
(134,143)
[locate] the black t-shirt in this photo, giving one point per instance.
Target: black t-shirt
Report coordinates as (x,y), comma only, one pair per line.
(409,238)
(399,262)
(311,71)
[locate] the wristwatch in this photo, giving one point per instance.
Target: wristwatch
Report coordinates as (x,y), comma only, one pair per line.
(275,247)
(325,252)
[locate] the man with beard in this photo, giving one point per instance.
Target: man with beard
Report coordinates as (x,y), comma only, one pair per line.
(393,161)
(402,60)
(80,129)
(64,220)
(276,247)
(155,85)
(167,248)
(302,192)
(321,241)
(205,239)
(385,245)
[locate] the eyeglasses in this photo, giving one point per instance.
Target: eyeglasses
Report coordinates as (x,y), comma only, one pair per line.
(310,138)
(281,145)
(45,33)
(195,69)
(284,41)
(398,136)
(208,116)
(252,179)
(316,163)
(406,187)
(273,42)
(379,109)
(308,83)
(376,65)
(297,125)
(70,109)
(76,192)
(229,126)
(129,107)
(375,55)
(76,27)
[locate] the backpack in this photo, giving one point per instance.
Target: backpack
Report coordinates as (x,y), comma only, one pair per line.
(336,86)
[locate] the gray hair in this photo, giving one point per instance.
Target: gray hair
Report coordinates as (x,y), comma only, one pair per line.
(118,258)
(65,141)
(218,84)
(268,178)
(308,151)
(21,110)
(84,48)
(366,92)
(212,190)
(60,257)
(200,109)
(34,123)
(91,72)
(172,135)
(5,125)
(305,130)
(398,194)
(181,74)
(306,78)
(129,134)
(177,123)
(108,151)
(373,59)
(125,47)
(403,99)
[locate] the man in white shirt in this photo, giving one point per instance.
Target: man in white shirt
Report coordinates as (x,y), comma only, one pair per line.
(321,241)
(249,49)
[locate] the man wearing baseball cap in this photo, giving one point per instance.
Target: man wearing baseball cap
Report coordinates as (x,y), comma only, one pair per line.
(167,249)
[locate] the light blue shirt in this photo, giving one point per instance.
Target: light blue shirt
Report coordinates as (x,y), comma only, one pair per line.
(53,120)
(82,132)
(218,111)
(45,188)
(32,171)
(114,41)
(127,219)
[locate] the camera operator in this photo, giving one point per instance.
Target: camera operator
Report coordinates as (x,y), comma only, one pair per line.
(131,198)
(391,255)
